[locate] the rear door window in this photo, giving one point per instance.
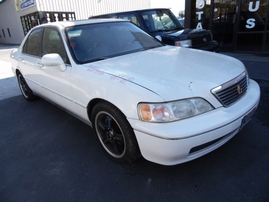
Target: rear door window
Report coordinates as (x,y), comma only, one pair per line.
(32,44)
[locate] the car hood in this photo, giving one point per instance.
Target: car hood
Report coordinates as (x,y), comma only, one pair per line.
(184,33)
(173,72)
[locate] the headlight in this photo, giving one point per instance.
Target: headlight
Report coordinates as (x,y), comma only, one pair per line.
(184,43)
(173,111)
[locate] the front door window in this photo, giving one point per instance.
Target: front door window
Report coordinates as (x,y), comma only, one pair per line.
(52,43)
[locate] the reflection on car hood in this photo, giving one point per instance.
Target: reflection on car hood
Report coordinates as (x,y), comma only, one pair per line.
(172,71)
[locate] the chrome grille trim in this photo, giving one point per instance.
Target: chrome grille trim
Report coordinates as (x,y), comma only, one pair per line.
(231,91)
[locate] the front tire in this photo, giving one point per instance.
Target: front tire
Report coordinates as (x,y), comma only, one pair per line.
(25,90)
(115,133)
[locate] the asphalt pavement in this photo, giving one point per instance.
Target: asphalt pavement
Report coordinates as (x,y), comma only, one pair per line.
(48,155)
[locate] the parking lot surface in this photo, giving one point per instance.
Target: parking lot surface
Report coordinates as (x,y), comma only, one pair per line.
(48,155)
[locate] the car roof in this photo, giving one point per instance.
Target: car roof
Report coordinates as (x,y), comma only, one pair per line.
(63,24)
(145,9)
(128,11)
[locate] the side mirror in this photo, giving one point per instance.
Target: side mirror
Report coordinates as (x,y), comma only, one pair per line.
(158,37)
(53,59)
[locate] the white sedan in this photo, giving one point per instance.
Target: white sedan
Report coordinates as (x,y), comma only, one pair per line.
(168,104)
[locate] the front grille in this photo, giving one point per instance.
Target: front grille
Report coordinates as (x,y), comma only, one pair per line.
(230,92)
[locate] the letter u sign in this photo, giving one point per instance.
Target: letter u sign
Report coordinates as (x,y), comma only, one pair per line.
(250,6)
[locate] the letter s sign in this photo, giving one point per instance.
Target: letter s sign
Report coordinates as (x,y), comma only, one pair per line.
(250,23)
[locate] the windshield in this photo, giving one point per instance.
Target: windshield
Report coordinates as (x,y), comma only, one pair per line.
(161,20)
(92,42)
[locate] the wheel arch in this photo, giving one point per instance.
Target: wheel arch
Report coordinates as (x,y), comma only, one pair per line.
(17,71)
(132,148)
(95,102)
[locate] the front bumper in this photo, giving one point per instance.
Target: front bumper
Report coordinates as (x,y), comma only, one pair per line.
(185,140)
(212,46)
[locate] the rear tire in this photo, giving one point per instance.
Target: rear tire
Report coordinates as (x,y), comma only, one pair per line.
(115,133)
(25,90)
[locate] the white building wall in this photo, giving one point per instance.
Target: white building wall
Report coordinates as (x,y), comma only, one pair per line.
(176,6)
(10,18)
(86,8)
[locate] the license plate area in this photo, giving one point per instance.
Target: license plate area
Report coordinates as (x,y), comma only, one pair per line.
(247,117)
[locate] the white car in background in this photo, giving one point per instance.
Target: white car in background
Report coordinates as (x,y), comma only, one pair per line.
(170,104)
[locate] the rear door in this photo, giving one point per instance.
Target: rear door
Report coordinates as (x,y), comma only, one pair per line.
(30,58)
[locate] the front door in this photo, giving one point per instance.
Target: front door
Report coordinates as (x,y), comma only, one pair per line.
(55,83)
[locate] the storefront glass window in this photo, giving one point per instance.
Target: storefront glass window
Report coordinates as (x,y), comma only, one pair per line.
(249,42)
(29,21)
(253,15)
(253,26)
(224,20)
(201,20)
(267,44)
(237,25)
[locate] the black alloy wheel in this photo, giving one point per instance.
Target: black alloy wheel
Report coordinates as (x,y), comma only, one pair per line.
(25,90)
(115,133)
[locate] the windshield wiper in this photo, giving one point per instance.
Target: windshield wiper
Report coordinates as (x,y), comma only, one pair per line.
(143,49)
(98,59)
